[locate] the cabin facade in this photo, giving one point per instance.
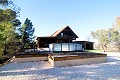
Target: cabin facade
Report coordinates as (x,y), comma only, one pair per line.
(64,35)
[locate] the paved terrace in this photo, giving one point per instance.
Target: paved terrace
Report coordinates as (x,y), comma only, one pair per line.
(43,71)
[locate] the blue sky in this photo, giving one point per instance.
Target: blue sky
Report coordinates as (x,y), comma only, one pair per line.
(83,16)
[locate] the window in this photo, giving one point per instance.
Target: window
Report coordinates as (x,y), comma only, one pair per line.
(61,34)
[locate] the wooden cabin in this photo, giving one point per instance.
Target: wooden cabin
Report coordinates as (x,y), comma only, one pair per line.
(87,45)
(64,35)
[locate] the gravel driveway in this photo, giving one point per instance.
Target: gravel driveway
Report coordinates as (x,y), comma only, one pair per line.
(43,71)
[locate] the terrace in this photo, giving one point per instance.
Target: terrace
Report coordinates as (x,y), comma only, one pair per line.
(42,70)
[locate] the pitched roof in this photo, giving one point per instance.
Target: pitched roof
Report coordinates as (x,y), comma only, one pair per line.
(45,37)
(59,31)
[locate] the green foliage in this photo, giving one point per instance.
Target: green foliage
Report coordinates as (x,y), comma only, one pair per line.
(8,24)
(116,26)
(7,31)
(27,31)
(101,36)
(4,2)
(12,35)
(8,4)
(7,34)
(7,15)
(16,22)
(106,37)
(114,35)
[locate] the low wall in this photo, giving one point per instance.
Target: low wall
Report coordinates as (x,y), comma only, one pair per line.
(29,57)
(77,61)
(68,60)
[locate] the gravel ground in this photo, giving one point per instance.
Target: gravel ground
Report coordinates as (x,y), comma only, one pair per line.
(43,71)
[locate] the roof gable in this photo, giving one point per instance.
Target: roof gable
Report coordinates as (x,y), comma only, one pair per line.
(67,28)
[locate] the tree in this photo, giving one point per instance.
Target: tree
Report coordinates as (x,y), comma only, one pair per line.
(4,2)
(116,26)
(114,35)
(105,37)
(101,36)
(7,25)
(8,4)
(7,34)
(7,15)
(27,31)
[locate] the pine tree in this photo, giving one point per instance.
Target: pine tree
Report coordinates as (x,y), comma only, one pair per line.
(27,31)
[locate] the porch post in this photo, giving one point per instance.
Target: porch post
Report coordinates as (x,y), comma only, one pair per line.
(61,45)
(69,45)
